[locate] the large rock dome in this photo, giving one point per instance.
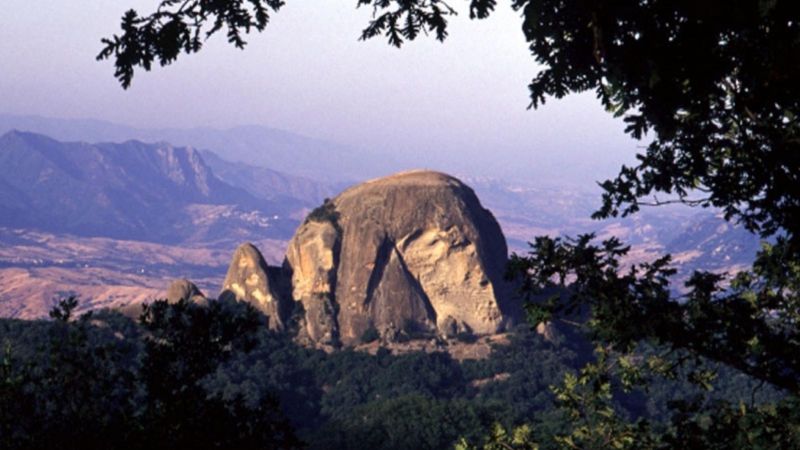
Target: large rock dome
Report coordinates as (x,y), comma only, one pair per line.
(412,253)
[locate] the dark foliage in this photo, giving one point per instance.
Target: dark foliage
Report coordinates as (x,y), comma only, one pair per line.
(181,26)
(185,343)
(370,335)
(102,382)
(751,330)
(74,386)
(211,377)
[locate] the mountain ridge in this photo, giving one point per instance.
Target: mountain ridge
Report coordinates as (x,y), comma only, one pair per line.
(258,145)
(127,190)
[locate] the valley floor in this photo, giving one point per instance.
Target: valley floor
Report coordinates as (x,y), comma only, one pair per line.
(38,268)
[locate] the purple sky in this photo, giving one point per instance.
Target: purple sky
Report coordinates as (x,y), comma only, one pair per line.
(461,103)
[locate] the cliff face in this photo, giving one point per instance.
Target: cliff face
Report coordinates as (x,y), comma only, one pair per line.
(410,253)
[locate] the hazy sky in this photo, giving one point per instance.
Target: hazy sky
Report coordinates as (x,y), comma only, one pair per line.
(461,104)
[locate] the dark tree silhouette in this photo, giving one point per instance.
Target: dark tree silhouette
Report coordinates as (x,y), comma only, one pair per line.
(185,344)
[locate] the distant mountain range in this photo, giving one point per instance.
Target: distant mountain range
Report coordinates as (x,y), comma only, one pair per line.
(113,221)
(255,145)
(272,184)
(132,190)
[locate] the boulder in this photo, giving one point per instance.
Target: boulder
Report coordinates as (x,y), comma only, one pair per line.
(183,289)
(413,252)
(180,289)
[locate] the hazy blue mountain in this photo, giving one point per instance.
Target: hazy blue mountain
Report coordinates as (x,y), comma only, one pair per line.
(271,184)
(153,192)
(255,145)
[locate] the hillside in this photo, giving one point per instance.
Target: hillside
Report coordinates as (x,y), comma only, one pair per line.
(270,184)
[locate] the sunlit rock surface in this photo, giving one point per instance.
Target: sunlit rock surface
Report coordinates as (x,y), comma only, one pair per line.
(249,279)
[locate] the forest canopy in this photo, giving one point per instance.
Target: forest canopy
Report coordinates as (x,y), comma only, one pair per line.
(191,376)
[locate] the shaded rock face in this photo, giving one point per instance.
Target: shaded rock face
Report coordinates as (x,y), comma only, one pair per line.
(249,279)
(413,252)
(397,302)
